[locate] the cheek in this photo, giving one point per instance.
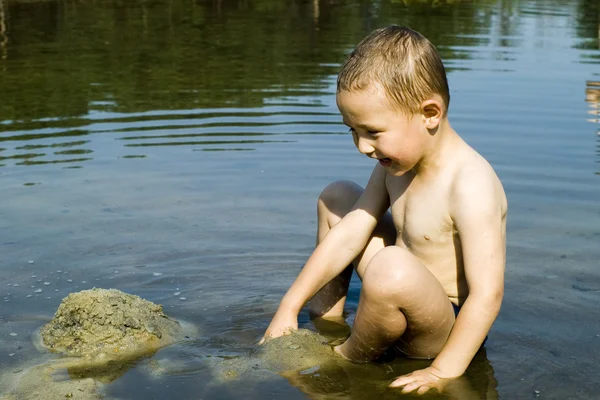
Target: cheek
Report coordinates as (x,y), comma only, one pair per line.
(406,153)
(355,138)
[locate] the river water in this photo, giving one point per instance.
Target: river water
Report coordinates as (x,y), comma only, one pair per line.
(175,150)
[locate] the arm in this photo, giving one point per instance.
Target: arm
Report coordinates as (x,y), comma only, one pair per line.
(342,244)
(479,213)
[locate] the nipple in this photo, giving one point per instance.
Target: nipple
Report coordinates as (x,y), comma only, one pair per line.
(427,237)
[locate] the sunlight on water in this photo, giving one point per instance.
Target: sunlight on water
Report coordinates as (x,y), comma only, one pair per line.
(592,96)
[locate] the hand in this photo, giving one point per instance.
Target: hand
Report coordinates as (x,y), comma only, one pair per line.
(282,324)
(421,380)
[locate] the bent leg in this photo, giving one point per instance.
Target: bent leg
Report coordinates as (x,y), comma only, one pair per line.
(336,200)
(401,305)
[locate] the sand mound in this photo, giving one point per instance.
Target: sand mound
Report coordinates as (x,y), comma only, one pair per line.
(108,322)
(300,350)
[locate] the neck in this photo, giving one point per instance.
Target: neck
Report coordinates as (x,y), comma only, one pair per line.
(438,150)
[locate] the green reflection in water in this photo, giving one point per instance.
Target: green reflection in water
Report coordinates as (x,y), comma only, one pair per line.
(43,135)
(71,160)
(70,65)
(229,134)
(226,115)
(588,23)
(226,149)
(208,142)
(228,124)
(188,135)
(44,146)
(73,152)
(64,61)
(43,123)
(19,156)
(134,156)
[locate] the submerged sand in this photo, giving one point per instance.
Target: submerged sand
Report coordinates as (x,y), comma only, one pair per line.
(39,383)
(302,349)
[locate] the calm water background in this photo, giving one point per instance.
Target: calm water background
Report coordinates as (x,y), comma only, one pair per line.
(175,149)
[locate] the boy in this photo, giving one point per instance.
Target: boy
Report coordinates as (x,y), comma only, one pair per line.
(440,247)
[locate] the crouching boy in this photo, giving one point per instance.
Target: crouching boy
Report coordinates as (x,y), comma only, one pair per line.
(427,234)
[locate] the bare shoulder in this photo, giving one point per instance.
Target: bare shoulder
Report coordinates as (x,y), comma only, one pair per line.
(374,200)
(478,210)
(476,187)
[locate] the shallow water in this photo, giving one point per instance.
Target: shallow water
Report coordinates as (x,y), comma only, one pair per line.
(175,150)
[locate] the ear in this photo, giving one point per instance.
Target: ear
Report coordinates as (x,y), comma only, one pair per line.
(432,111)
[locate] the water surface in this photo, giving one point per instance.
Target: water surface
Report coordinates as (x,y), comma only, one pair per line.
(175,150)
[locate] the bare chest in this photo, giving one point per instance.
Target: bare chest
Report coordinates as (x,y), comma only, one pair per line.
(423,223)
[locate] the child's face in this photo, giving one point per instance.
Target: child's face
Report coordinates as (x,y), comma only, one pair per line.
(381,131)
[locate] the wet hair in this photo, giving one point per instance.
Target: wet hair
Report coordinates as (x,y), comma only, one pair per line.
(403,61)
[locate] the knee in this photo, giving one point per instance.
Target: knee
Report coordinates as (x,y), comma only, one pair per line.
(339,194)
(391,271)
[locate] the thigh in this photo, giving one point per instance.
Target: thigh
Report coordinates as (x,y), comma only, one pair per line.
(396,278)
(383,236)
(334,293)
(335,202)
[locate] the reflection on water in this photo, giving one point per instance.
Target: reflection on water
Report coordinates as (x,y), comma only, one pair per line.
(104,372)
(357,381)
(592,96)
(3,37)
(107,68)
(178,147)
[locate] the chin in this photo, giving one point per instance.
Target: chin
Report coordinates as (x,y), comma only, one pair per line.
(395,170)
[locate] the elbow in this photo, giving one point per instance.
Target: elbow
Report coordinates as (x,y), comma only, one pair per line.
(493,300)
(490,301)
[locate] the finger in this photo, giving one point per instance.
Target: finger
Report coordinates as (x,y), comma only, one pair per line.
(401,381)
(423,389)
(398,383)
(261,341)
(410,387)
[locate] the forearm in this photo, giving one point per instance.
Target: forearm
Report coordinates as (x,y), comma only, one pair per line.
(470,329)
(335,252)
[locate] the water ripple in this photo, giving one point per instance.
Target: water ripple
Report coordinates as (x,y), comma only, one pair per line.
(228,129)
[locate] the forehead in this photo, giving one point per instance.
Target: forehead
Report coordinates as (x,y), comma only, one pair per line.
(358,104)
(366,107)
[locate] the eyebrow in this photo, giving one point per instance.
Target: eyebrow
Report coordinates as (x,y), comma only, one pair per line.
(363,126)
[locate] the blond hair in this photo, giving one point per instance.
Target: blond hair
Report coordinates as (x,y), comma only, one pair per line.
(403,61)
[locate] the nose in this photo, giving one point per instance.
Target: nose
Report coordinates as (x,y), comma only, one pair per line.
(363,145)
